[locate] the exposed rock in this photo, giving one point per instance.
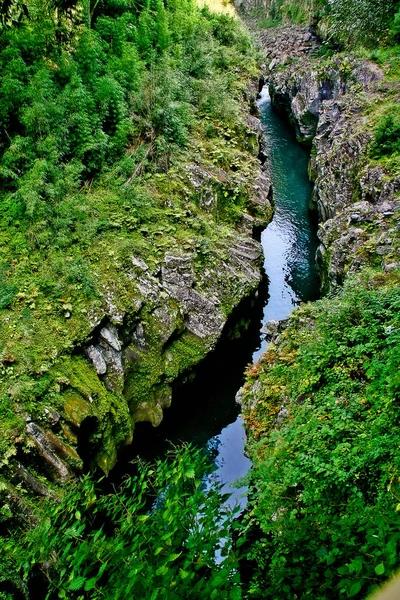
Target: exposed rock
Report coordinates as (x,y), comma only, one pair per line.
(205,183)
(156,326)
(281,416)
(114,312)
(56,467)
(177,272)
(273,328)
(326,108)
(247,224)
(203,318)
(96,356)
(149,287)
(110,335)
(32,482)
(114,378)
(263,194)
(52,416)
(283,44)
(139,337)
(139,263)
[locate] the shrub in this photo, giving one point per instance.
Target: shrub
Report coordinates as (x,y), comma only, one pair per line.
(155,537)
(325,500)
(386,140)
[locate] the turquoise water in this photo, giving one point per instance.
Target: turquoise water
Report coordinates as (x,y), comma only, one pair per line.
(204,411)
(290,240)
(289,243)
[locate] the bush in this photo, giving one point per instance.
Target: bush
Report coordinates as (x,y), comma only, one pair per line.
(386,140)
(360,21)
(326,482)
(155,537)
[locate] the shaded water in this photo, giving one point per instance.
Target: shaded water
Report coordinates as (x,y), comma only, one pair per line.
(204,411)
(290,240)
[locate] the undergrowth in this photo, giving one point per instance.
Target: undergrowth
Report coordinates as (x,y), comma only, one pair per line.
(326,480)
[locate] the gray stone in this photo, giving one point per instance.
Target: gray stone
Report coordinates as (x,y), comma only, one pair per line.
(139,263)
(269,329)
(177,271)
(138,337)
(55,465)
(96,356)
(115,314)
(281,416)
(110,335)
(114,378)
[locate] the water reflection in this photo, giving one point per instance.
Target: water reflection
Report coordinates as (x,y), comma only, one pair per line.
(290,240)
(289,244)
(204,411)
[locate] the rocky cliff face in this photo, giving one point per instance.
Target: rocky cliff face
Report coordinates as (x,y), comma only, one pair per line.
(326,101)
(154,323)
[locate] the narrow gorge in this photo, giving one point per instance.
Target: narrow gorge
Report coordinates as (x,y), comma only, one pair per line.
(199,284)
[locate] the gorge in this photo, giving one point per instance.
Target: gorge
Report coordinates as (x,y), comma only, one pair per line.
(137,281)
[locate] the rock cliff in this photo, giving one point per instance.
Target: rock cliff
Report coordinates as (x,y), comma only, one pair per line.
(159,315)
(327,101)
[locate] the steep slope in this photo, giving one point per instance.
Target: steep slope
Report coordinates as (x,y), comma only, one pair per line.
(131,192)
(321,404)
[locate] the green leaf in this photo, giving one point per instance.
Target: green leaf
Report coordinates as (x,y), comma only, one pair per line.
(173,557)
(235,594)
(380,569)
(77,583)
(355,588)
(90,584)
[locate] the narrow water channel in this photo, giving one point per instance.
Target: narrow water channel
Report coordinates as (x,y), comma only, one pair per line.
(204,411)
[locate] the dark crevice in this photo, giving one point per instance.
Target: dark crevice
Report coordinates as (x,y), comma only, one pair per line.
(203,401)
(88,442)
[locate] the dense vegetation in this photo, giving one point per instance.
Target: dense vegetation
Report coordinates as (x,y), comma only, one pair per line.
(322,404)
(102,105)
(327,470)
(347,22)
(155,537)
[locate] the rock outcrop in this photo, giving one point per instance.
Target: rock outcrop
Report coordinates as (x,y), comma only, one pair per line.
(83,406)
(325,101)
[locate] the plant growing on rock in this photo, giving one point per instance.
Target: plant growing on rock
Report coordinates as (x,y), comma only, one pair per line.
(324,514)
(154,537)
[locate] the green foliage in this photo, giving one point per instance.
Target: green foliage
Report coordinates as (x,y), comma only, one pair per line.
(155,537)
(396,24)
(102,111)
(12,12)
(300,12)
(326,483)
(7,290)
(360,21)
(344,22)
(386,139)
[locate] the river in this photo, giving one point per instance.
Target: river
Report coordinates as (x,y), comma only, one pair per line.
(204,411)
